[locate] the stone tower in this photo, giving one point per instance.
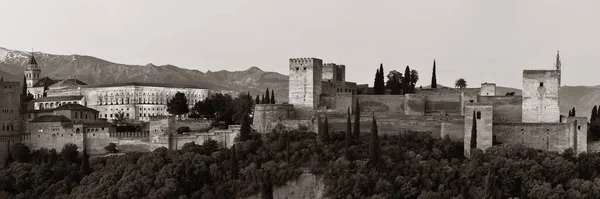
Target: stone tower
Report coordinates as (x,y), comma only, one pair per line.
(540,95)
(305,83)
(32,72)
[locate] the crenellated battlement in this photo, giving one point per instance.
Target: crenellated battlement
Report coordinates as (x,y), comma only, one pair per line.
(303,61)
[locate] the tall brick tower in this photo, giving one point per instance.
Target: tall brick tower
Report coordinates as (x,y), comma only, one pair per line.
(305,83)
(32,72)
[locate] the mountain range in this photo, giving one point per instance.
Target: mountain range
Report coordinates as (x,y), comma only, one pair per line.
(93,70)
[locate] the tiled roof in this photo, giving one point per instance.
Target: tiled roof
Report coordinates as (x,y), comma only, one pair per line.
(51,118)
(32,60)
(74,107)
(45,81)
(58,98)
(67,83)
(147,84)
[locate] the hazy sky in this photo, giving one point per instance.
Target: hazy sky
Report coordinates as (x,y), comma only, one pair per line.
(479,40)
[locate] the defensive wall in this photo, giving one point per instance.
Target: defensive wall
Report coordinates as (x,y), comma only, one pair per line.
(194,124)
(226,138)
(544,136)
(506,108)
(266,116)
(540,96)
(480,116)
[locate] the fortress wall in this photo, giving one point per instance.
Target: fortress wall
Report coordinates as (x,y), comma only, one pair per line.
(443,103)
(225,138)
(393,125)
(414,104)
(345,101)
(265,115)
(126,142)
(53,141)
(483,122)
(382,104)
(544,136)
(193,124)
(540,96)
(507,109)
(454,130)
(579,135)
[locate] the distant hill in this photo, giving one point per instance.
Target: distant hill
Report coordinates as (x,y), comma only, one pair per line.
(93,70)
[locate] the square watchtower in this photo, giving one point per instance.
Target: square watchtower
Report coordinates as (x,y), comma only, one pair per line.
(305,82)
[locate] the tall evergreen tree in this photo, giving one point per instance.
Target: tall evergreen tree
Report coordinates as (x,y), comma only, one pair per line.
(267,98)
(381,80)
(325,136)
(594,114)
(235,170)
(406,81)
(272,97)
(348,137)
(245,128)
(84,168)
(45,89)
(474,132)
(433,77)
(376,83)
(490,184)
(573,113)
(262,101)
(570,113)
(257,100)
(374,146)
(357,122)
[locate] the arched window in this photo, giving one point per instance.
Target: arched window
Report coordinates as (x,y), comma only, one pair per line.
(77,130)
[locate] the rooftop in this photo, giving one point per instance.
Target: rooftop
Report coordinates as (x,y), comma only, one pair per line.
(51,118)
(45,81)
(138,84)
(68,83)
(74,107)
(58,98)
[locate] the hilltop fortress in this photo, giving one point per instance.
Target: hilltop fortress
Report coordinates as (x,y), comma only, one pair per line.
(318,90)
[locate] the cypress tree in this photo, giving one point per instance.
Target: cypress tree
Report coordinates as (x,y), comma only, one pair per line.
(406,81)
(490,184)
(594,114)
(381,80)
(348,137)
(376,83)
(267,98)
(357,122)
(474,132)
(245,128)
(24,88)
(85,164)
(597,113)
(325,136)
(257,100)
(570,113)
(262,101)
(234,163)
(272,97)
(45,88)
(433,77)
(374,147)
(573,113)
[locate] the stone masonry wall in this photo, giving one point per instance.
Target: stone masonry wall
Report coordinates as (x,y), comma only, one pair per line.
(265,115)
(305,76)
(544,136)
(484,120)
(540,96)
(382,104)
(442,104)
(506,108)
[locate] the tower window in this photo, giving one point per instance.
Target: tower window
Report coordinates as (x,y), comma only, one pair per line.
(579,127)
(478,114)
(304,68)
(541,84)
(297,68)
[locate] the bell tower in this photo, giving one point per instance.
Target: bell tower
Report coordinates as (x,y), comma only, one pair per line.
(32,72)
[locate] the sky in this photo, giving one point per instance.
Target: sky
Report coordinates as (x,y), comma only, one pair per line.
(480,41)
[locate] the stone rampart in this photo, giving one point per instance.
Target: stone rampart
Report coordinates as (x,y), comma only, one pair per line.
(382,104)
(506,108)
(194,124)
(265,115)
(544,136)
(443,104)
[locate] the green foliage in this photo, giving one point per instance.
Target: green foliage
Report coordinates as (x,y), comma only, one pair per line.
(111,148)
(120,119)
(20,153)
(178,104)
(357,121)
(69,153)
(183,129)
(474,132)
(224,108)
(245,129)
(374,146)
(460,83)
(394,82)
(433,77)
(379,84)
(325,135)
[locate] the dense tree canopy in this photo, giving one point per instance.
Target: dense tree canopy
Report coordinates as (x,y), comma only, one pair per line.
(178,105)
